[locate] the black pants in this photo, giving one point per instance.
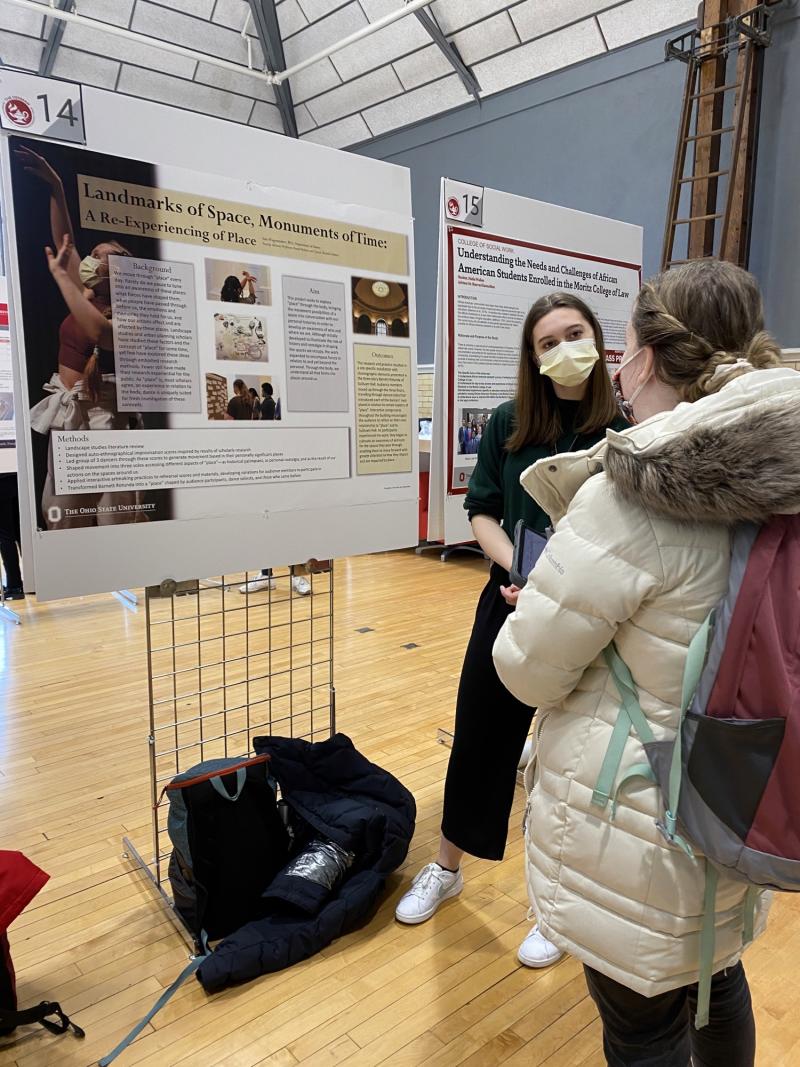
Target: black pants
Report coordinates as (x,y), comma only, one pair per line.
(9,553)
(659,1031)
(490,731)
(9,529)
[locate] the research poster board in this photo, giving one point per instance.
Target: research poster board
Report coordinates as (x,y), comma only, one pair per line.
(8,436)
(243,393)
(498,254)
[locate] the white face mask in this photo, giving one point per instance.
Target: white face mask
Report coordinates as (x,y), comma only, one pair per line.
(571,362)
(626,402)
(89,271)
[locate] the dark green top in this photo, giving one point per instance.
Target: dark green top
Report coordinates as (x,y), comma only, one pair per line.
(494,487)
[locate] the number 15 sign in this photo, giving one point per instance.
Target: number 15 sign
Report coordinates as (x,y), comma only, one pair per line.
(463,203)
(41,107)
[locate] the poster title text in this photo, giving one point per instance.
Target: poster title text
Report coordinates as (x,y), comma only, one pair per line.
(163,214)
(516,268)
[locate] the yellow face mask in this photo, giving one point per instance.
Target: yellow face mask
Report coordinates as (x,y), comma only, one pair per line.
(89,271)
(571,362)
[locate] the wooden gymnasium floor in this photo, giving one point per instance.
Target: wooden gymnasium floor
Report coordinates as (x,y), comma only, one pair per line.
(73,780)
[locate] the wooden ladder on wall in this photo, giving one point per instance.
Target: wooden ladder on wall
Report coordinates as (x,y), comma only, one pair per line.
(710,202)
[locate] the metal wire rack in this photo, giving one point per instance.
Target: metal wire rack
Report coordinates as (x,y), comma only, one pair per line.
(230,659)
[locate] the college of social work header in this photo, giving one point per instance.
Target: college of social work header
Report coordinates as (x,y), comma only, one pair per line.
(120,207)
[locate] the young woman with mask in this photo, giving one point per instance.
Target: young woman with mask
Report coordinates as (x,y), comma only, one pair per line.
(564,401)
(82,394)
(640,556)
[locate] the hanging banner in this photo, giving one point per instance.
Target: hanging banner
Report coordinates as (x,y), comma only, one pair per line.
(217,378)
(490,275)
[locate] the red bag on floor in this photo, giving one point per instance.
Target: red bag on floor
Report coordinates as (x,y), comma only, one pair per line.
(20,881)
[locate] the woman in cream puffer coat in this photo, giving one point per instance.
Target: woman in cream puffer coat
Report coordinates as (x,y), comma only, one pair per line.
(640,555)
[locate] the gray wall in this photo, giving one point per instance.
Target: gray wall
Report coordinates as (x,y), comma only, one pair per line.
(600,137)
(775,248)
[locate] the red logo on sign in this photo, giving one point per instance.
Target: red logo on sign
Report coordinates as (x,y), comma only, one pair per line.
(461,476)
(18,111)
(453,207)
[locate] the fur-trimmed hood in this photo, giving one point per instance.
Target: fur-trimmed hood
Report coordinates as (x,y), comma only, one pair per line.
(730,457)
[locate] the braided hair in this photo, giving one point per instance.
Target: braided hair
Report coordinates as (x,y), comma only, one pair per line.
(705,323)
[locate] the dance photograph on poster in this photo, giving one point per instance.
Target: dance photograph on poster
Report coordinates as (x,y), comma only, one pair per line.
(67,317)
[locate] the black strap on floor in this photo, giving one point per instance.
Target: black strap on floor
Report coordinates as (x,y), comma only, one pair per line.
(48,1013)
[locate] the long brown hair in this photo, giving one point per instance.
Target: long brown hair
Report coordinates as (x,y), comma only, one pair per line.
(537,419)
(701,317)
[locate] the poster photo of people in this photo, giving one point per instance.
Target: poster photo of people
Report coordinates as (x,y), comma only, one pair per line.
(471,430)
(245,398)
(238,283)
(67,316)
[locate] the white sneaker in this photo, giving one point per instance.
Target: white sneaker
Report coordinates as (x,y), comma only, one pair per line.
(258,585)
(301,585)
(537,951)
(430,888)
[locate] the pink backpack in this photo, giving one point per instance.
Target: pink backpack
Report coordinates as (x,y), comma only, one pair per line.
(729,779)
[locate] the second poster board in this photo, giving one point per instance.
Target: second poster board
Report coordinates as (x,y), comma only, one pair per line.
(498,254)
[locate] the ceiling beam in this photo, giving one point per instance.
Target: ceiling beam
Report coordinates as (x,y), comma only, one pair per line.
(54,35)
(265,18)
(451,54)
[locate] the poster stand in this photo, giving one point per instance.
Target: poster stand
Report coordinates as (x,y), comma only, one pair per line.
(7,613)
(128,599)
(223,668)
(446,551)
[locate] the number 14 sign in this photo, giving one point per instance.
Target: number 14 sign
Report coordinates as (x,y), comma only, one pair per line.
(41,107)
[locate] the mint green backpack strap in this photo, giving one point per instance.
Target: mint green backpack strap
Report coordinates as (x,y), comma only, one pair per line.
(611,761)
(707,941)
(695,661)
(708,938)
(748,926)
(630,716)
(628,693)
(638,770)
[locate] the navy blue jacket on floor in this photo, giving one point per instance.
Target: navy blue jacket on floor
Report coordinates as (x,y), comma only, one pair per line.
(336,794)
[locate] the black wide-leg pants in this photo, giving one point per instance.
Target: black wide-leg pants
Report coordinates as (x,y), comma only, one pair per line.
(490,731)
